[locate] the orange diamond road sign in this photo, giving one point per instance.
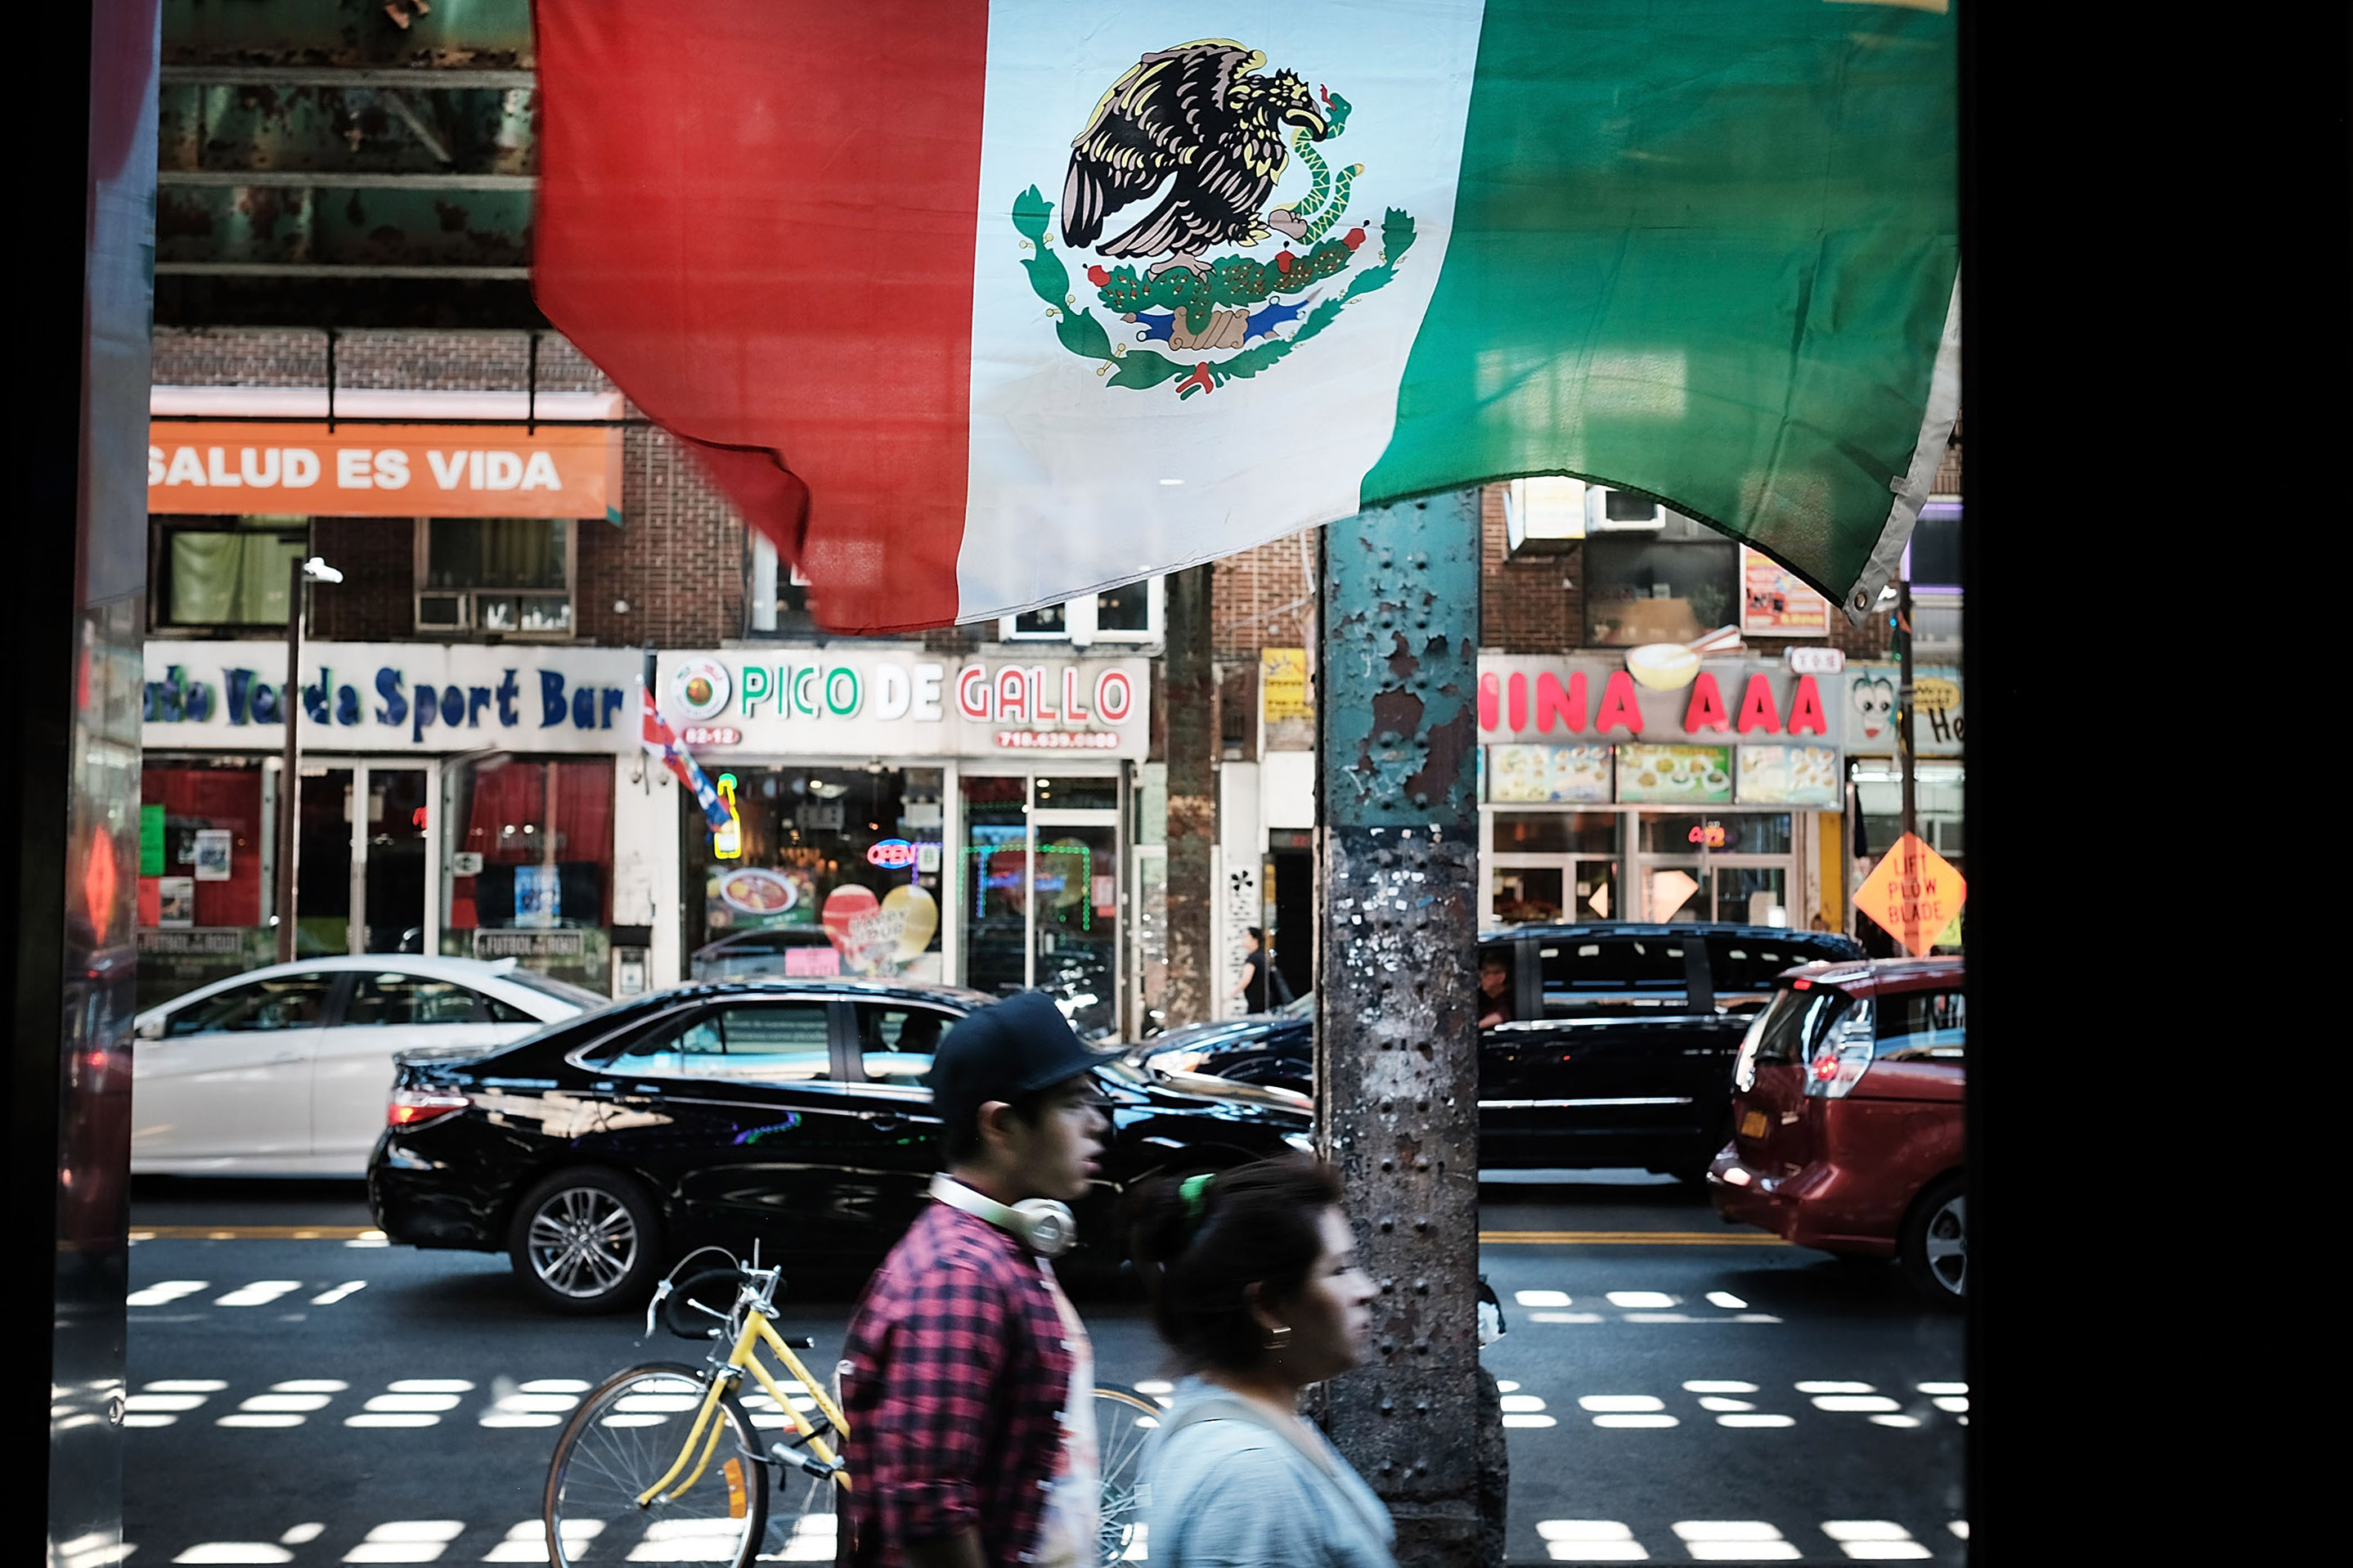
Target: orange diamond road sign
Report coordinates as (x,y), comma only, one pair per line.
(1914,893)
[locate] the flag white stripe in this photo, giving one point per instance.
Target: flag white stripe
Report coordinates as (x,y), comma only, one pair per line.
(1067,474)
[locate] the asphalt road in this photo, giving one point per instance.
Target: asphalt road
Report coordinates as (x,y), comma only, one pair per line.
(1675,1390)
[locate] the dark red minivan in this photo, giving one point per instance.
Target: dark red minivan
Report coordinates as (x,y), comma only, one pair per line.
(1847,1128)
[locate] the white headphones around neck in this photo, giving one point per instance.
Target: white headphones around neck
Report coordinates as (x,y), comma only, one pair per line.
(1041,1224)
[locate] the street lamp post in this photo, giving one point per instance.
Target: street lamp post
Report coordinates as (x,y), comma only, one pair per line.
(301,573)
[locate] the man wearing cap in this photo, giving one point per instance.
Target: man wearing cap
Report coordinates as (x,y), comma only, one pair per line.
(965,1376)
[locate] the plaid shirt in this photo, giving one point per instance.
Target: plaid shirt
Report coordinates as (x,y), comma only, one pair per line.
(954,1376)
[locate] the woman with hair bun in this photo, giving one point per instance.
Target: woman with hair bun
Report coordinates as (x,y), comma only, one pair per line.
(1256,1288)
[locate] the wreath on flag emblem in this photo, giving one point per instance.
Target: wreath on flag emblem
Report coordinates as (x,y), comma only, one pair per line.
(1199,125)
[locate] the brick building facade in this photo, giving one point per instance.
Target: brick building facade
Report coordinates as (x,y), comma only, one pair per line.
(675,571)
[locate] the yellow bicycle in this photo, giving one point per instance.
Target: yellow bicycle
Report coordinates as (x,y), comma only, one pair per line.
(669,1463)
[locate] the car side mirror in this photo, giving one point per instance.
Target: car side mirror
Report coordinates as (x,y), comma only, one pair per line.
(149,1029)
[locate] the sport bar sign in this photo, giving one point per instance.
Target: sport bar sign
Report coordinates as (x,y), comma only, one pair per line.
(383,470)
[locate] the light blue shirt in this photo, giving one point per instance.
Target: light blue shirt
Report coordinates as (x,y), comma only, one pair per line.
(1231,1489)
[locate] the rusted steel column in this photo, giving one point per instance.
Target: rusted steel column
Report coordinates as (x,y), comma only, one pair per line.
(1189,688)
(1397,1067)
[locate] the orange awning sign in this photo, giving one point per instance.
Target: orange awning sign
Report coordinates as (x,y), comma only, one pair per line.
(1914,893)
(383,470)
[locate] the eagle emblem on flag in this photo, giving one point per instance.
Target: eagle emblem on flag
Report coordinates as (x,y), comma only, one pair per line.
(1201,128)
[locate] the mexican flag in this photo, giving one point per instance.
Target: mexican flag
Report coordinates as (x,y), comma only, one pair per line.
(974,307)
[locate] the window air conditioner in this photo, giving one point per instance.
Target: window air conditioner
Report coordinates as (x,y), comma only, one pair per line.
(1543,515)
(1609,511)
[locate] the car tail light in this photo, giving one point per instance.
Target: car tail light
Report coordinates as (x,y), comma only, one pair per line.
(415,1107)
(1842,1055)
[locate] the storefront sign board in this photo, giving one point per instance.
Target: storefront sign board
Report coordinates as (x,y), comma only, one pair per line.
(1788,776)
(1675,775)
(1869,704)
(235,468)
(1282,677)
(391,697)
(1549,774)
(1775,603)
(829,702)
(1578,698)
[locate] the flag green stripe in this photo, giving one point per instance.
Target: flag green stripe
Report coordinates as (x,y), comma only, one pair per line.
(1703,251)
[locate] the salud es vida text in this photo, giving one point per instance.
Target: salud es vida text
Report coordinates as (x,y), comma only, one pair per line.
(356,468)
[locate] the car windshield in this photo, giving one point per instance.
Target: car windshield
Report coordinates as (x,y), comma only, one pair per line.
(1298,1007)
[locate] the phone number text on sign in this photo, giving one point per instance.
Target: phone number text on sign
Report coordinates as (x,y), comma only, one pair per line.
(1057,740)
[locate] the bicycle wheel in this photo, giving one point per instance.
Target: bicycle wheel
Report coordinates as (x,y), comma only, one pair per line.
(1125,1422)
(625,1437)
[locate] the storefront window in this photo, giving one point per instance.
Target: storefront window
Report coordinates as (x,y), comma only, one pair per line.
(824,871)
(527,863)
(1555,832)
(1651,590)
(202,883)
(1728,833)
(1078,794)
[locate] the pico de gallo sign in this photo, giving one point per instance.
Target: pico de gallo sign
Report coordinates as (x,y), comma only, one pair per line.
(829,702)
(383,470)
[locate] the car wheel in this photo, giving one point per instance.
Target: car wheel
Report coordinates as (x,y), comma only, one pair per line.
(585,1240)
(1934,1245)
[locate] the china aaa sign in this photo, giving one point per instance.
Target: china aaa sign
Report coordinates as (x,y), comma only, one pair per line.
(1914,893)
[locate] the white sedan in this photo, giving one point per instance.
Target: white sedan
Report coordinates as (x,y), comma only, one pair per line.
(285,1071)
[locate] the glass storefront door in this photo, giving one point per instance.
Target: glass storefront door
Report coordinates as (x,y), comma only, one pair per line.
(1039,903)
(1074,916)
(1548,865)
(1555,865)
(325,868)
(394,887)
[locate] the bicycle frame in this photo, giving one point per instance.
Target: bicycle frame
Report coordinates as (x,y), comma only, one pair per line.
(725,1376)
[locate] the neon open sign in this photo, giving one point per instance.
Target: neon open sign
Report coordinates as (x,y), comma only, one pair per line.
(892,854)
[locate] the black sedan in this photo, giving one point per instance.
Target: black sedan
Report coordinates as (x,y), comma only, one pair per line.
(789,1112)
(1614,1043)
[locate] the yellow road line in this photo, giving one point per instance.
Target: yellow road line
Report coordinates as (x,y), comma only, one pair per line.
(255,1233)
(1629,1238)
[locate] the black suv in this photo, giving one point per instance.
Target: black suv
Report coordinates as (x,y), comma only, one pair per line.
(1619,1051)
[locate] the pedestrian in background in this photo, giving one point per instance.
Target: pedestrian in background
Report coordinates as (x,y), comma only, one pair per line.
(1261,987)
(1256,1288)
(966,1378)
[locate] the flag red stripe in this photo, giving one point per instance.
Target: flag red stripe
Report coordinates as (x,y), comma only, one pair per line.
(811,334)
